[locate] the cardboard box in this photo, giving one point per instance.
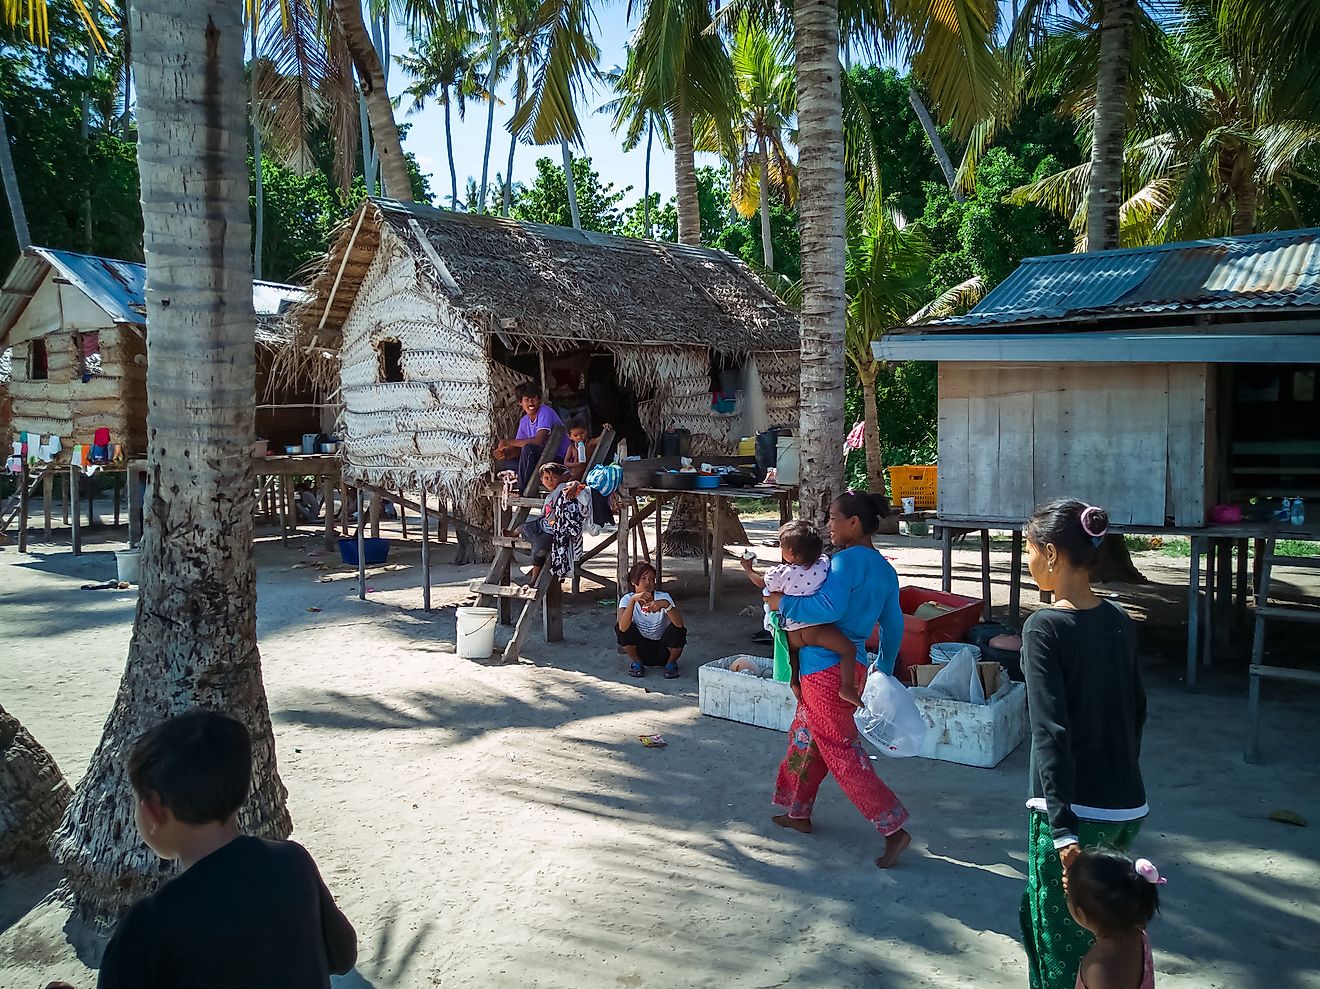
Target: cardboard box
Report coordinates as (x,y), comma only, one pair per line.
(761,701)
(990,674)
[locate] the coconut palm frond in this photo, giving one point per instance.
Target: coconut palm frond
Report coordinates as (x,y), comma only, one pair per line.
(952,302)
(951,43)
(1283,147)
(293,74)
(549,113)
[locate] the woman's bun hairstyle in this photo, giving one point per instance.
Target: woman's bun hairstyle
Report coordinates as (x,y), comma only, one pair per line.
(1075,528)
(869,509)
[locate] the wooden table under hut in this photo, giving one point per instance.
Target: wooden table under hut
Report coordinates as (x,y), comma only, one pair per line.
(1178,386)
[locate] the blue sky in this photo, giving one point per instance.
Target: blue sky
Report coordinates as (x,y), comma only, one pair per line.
(426,139)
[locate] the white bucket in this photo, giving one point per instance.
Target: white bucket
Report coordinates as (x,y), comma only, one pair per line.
(476,632)
(128,562)
(786,460)
(943,652)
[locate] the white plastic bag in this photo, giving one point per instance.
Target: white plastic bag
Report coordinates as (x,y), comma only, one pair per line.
(960,680)
(889,717)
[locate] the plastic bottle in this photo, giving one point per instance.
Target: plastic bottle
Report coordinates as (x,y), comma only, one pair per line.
(1298,515)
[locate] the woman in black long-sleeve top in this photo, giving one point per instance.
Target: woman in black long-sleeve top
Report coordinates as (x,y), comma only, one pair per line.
(1087,709)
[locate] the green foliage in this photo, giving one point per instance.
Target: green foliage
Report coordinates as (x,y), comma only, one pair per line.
(906,402)
(742,238)
(546,199)
(300,213)
(984,235)
(59,173)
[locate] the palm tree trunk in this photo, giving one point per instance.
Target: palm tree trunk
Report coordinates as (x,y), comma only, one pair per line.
(16,212)
(1111,105)
(33,795)
(364,132)
(507,202)
(646,183)
(85,132)
(194,636)
(821,220)
(875,454)
(126,39)
(936,143)
(380,113)
(453,172)
(490,108)
(685,180)
(570,184)
(258,178)
(767,245)
(1245,196)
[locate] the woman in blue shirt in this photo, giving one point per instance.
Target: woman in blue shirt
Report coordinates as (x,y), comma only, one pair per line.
(862,588)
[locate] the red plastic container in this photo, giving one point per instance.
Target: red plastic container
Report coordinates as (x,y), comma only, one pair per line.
(920,634)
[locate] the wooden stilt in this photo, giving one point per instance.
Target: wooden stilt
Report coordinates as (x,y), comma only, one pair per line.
(403,516)
(1015,581)
(91,495)
(987,590)
(328,507)
(946,559)
(75,519)
(47,500)
(345,509)
(426,552)
(659,544)
(376,508)
(552,610)
(116,497)
(284,502)
(716,555)
(136,515)
(24,483)
(362,548)
(64,500)
(622,553)
(1193,607)
(441,520)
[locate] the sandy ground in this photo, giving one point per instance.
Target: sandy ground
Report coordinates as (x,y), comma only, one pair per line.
(486,825)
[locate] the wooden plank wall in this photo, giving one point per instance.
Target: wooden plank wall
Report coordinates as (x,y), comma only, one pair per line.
(1131,437)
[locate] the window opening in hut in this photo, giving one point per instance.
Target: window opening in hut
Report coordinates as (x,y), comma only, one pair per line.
(391,360)
(726,384)
(1271,431)
(38,363)
(89,351)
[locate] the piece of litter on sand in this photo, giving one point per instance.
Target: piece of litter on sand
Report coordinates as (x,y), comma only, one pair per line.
(313,609)
(654,741)
(105,585)
(371,590)
(609,603)
(1288,817)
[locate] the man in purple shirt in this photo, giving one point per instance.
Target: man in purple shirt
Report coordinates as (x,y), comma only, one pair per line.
(523,451)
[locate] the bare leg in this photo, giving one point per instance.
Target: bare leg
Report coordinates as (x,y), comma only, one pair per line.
(894,845)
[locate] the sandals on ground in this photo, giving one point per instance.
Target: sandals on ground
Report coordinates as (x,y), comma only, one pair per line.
(636,670)
(671,671)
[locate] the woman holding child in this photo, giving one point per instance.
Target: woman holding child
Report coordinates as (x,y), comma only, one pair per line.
(860,589)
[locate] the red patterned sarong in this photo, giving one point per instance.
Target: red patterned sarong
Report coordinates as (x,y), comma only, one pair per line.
(823,740)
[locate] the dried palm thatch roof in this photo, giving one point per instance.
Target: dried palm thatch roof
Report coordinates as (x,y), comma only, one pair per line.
(554,286)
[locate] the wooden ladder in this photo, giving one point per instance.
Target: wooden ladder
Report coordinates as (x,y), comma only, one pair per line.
(14,504)
(547,593)
(1275,612)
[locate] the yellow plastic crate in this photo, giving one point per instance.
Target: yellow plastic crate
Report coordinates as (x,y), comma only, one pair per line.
(915,481)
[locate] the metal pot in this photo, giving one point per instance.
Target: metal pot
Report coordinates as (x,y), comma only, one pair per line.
(329,447)
(673,481)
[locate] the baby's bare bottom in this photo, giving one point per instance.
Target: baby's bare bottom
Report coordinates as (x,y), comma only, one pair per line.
(826,637)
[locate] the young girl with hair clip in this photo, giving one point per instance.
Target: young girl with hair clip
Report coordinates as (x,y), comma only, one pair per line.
(1115,898)
(860,590)
(1087,709)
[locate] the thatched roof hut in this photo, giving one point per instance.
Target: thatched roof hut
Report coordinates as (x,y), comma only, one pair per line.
(436,316)
(73,342)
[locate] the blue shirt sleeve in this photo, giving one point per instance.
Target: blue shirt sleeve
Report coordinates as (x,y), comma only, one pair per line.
(891,619)
(828,605)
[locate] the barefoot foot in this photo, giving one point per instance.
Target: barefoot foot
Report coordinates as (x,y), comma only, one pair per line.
(802,824)
(894,845)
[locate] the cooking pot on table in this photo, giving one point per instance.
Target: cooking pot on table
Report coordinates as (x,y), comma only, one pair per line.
(675,481)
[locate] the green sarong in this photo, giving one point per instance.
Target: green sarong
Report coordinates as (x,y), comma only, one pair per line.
(1055,943)
(783,668)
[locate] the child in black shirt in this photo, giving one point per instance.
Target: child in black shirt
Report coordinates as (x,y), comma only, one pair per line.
(245,911)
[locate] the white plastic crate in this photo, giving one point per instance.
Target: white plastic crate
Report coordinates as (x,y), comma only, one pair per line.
(761,701)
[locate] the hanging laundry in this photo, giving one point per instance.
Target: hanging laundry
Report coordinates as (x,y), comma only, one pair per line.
(77,460)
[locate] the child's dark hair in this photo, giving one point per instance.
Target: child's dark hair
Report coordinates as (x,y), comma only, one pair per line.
(557,469)
(527,390)
(869,508)
(198,764)
(1105,885)
(802,539)
(576,424)
(1074,527)
(638,571)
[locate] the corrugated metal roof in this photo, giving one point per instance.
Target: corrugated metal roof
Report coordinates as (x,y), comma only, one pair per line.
(117,287)
(1272,271)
